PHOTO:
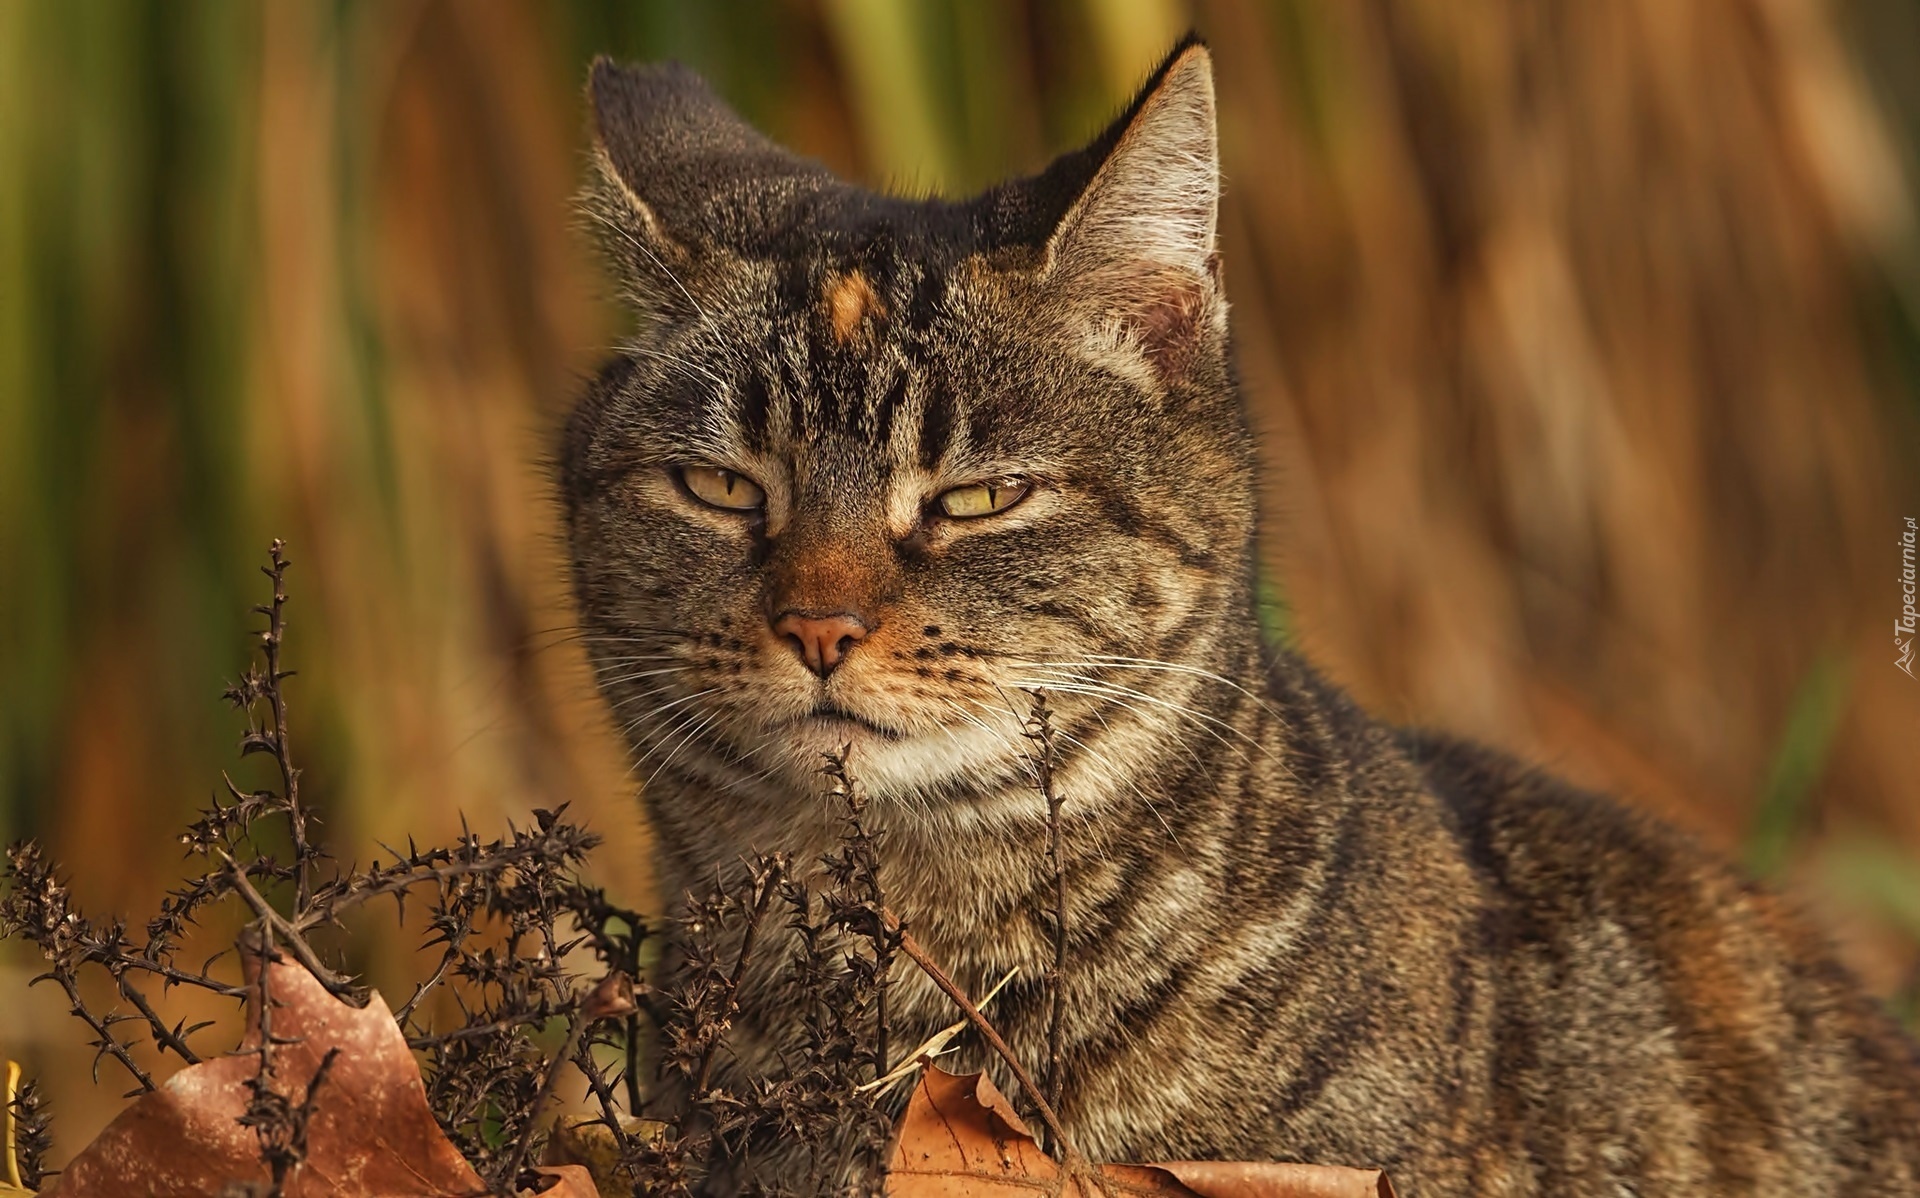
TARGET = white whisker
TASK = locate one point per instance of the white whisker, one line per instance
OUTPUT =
(626, 678)
(1069, 682)
(685, 740)
(626, 235)
(1112, 661)
(678, 362)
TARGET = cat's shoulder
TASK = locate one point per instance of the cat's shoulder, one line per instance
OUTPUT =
(1530, 835)
(1538, 835)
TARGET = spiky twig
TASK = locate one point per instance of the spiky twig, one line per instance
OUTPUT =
(278, 1122)
(280, 926)
(524, 882)
(724, 1004)
(991, 1035)
(508, 917)
(269, 689)
(24, 1154)
(1038, 728)
(858, 901)
(39, 907)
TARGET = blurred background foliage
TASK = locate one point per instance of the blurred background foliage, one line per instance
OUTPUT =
(1583, 335)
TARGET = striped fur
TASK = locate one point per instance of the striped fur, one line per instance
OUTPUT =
(1296, 932)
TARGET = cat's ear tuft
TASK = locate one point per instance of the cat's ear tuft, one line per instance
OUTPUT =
(647, 260)
(1137, 248)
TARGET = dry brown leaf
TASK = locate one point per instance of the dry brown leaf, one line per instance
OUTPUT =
(574, 1181)
(371, 1133)
(1241, 1179)
(585, 1141)
(960, 1138)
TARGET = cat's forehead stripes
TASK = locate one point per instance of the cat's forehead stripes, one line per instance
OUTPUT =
(848, 348)
(904, 414)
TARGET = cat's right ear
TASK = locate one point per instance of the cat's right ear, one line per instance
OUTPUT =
(649, 263)
(679, 181)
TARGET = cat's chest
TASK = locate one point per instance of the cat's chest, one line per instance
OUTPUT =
(984, 908)
(977, 894)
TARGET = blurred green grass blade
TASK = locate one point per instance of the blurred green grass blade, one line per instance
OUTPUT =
(1276, 616)
(1798, 762)
(20, 598)
(1883, 880)
(1881, 877)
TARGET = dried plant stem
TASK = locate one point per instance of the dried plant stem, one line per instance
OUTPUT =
(270, 640)
(394, 881)
(276, 924)
(180, 977)
(303, 1114)
(1056, 1133)
(1039, 730)
(104, 1041)
(769, 885)
(456, 944)
(164, 1036)
(278, 1122)
(264, 957)
(603, 1095)
(483, 1071)
(630, 1074)
(861, 898)
(28, 1140)
(510, 1168)
(479, 1031)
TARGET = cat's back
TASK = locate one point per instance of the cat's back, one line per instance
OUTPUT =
(1662, 1023)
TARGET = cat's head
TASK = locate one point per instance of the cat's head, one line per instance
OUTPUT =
(871, 466)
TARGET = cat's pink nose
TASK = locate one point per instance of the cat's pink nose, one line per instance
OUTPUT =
(821, 641)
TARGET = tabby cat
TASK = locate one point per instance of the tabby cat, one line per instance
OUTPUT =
(874, 466)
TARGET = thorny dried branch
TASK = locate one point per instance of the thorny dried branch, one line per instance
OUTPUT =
(1038, 728)
(857, 901)
(28, 1139)
(1056, 1133)
(519, 939)
(38, 907)
(276, 1119)
(523, 889)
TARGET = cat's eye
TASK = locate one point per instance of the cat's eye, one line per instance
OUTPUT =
(720, 488)
(982, 499)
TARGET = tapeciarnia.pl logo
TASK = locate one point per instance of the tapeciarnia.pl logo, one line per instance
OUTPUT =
(1903, 627)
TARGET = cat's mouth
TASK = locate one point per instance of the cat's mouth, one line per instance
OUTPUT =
(831, 716)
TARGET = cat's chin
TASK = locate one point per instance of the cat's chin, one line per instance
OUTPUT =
(838, 726)
(888, 761)
(807, 739)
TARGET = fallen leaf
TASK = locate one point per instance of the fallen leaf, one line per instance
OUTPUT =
(960, 1138)
(1241, 1179)
(10, 1179)
(371, 1132)
(574, 1181)
(588, 1143)
(611, 999)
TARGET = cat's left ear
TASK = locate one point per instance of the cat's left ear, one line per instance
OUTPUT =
(1135, 252)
